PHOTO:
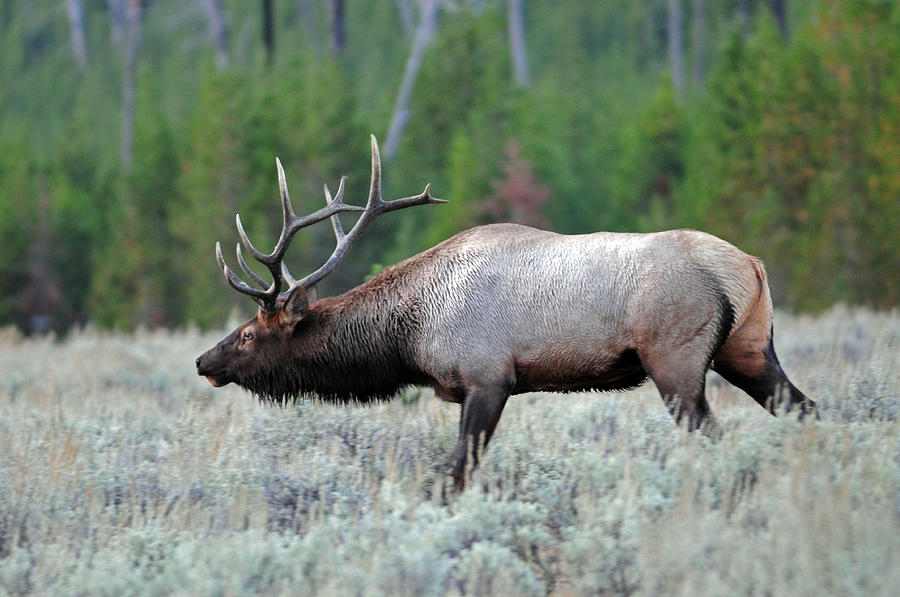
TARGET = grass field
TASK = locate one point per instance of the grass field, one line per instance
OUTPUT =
(122, 473)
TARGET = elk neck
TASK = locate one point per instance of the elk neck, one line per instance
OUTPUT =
(355, 346)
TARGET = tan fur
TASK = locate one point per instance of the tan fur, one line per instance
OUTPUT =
(504, 309)
(746, 346)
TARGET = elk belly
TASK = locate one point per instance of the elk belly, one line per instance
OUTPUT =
(580, 372)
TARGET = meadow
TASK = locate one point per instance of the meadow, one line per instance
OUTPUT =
(123, 473)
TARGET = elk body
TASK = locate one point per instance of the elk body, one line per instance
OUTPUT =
(504, 309)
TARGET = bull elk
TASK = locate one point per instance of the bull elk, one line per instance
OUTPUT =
(505, 309)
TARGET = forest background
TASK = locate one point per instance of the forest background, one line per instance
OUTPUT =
(132, 131)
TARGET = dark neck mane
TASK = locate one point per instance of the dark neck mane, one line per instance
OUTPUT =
(349, 347)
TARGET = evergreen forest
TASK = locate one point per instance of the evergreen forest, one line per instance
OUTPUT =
(132, 131)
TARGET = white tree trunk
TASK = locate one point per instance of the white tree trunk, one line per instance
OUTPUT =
(406, 16)
(743, 15)
(309, 23)
(779, 11)
(337, 27)
(424, 33)
(698, 43)
(131, 42)
(218, 29)
(517, 48)
(267, 14)
(675, 45)
(76, 28)
(116, 19)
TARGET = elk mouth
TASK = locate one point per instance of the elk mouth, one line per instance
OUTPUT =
(217, 378)
(217, 381)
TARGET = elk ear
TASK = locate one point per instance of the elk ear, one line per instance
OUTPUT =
(296, 304)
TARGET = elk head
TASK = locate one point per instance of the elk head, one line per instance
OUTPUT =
(254, 355)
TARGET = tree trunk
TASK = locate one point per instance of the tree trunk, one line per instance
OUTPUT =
(41, 305)
(517, 48)
(268, 29)
(337, 27)
(76, 28)
(312, 31)
(131, 12)
(698, 43)
(743, 10)
(779, 11)
(406, 16)
(675, 45)
(424, 33)
(116, 19)
(218, 28)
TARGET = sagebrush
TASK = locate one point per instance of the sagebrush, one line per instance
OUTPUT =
(123, 473)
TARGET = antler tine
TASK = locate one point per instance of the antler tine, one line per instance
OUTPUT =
(340, 192)
(256, 253)
(335, 225)
(287, 209)
(259, 296)
(422, 198)
(288, 278)
(335, 221)
(292, 223)
(375, 206)
(375, 181)
(287, 219)
(250, 273)
(274, 261)
(375, 190)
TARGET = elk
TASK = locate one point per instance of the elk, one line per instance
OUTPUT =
(504, 309)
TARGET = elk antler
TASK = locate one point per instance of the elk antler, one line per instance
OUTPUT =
(268, 294)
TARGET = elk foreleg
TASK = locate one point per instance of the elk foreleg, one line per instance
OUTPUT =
(480, 413)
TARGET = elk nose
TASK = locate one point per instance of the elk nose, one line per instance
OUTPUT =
(199, 361)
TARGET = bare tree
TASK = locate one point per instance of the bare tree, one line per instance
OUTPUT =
(421, 40)
(125, 20)
(306, 15)
(116, 19)
(218, 28)
(337, 27)
(675, 45)
(779, 11)
(268, 29)
(41, 305)
(406, 16)
(698, 43)
(76, 28)
(517, 48)
(129, 11)
(743, 15)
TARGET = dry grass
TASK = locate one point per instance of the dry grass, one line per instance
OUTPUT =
(124, 473)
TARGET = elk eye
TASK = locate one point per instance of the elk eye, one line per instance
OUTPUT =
(248, 335)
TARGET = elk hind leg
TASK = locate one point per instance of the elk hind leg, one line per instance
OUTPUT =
(748, 361)
(680, 377)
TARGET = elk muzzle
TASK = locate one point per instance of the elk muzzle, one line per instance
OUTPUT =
(207, 367)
